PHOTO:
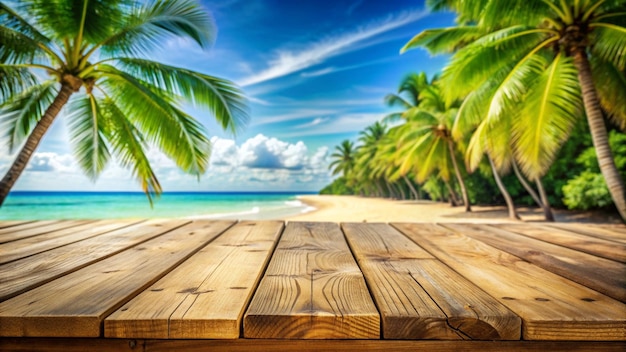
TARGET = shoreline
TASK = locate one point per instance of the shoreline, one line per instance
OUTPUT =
(359, 209)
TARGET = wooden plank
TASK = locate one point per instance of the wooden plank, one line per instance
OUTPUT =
(421, 298)
(603, 275)
(11, 251)
(313, 289)
(551, 307)
(206, 296)
(76, 304)
(36, 228)
(24, 274)
(243, 345)
(10, 223)
(606, 233)
(592, 245)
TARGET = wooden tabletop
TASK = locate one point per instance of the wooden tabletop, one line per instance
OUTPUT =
(102, 281)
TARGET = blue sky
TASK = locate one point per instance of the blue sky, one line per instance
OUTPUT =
(315, 73)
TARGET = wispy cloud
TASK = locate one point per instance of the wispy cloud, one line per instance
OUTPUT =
(329, 70)
(289, 61)
(296, 115)
(349, 123)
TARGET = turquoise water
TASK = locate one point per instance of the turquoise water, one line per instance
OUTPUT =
(112, 205)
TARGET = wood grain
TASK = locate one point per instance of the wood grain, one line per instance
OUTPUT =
(245, 345)
(206, 296)
(583, 243)
(10, 223)
(603, 275)
(313, 289)
(24, 274)
(76, 304)
(32, 245)
(606, 233)
(421, 298)
(36, 228)
(552, 307)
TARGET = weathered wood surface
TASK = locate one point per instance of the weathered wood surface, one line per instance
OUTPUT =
(607, 233)
(312, 289)
(205, 296)
(27, 230)
(540, 297)
(421, 298)
(76, 304)
(603, 275)
(25, 247)
(579, 242)
(5, 223)
(156, 284)
(21, 275)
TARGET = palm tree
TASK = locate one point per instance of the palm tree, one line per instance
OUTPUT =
(426, 140)
(89, 56)
(370, 138)
(343, 158)
(538, 63)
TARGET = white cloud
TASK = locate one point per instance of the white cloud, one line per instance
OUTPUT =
(348, 123)
(51, 162)
(286, 61)
(295, 115)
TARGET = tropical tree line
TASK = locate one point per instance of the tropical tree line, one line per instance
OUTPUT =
(523, 75)
(89, 58)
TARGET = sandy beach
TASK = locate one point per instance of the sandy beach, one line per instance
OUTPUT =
(358, 209)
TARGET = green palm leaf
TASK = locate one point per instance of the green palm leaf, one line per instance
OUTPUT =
(156, 20)
(177, 134)
(611, 86)
(128, 146)
(22, 111)
(13, 80)
(550, 109)
(222, 97)
(443, 40)
(610, 44)
(87, 131)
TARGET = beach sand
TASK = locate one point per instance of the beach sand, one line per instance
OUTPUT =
(358, 209)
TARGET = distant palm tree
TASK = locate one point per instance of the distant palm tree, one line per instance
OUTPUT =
(364, 167)
(426, 143)
(91, 54)
(343, 158)
(537, 62)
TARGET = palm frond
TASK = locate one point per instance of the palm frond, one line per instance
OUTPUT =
(92, 20)
(13, 20)
(610, 84)
(87, 133)
(176, 133)
(396, 100)
(13, 80)
(18, 48)
(128, 146)
(22, 111)
(549, 111)
(610, 44)
(443, 40)
(155, 21)
(221, 97)
(478, 62)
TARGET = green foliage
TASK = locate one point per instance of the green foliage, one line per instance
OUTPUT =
(588, 189)
(339, 187)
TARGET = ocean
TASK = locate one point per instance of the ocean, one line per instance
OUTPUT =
(123, 205)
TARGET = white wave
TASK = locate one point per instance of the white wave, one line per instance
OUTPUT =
(294, 203)
(254, 210)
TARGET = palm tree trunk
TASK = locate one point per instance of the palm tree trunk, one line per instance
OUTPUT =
(507, 197)
(402, 191)
(413, 190)
(33, 140)
(599, 134)
(527, 187)
(543, 202)
(390, 192)
(468, 207)
(453, 200)
(547, 212)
